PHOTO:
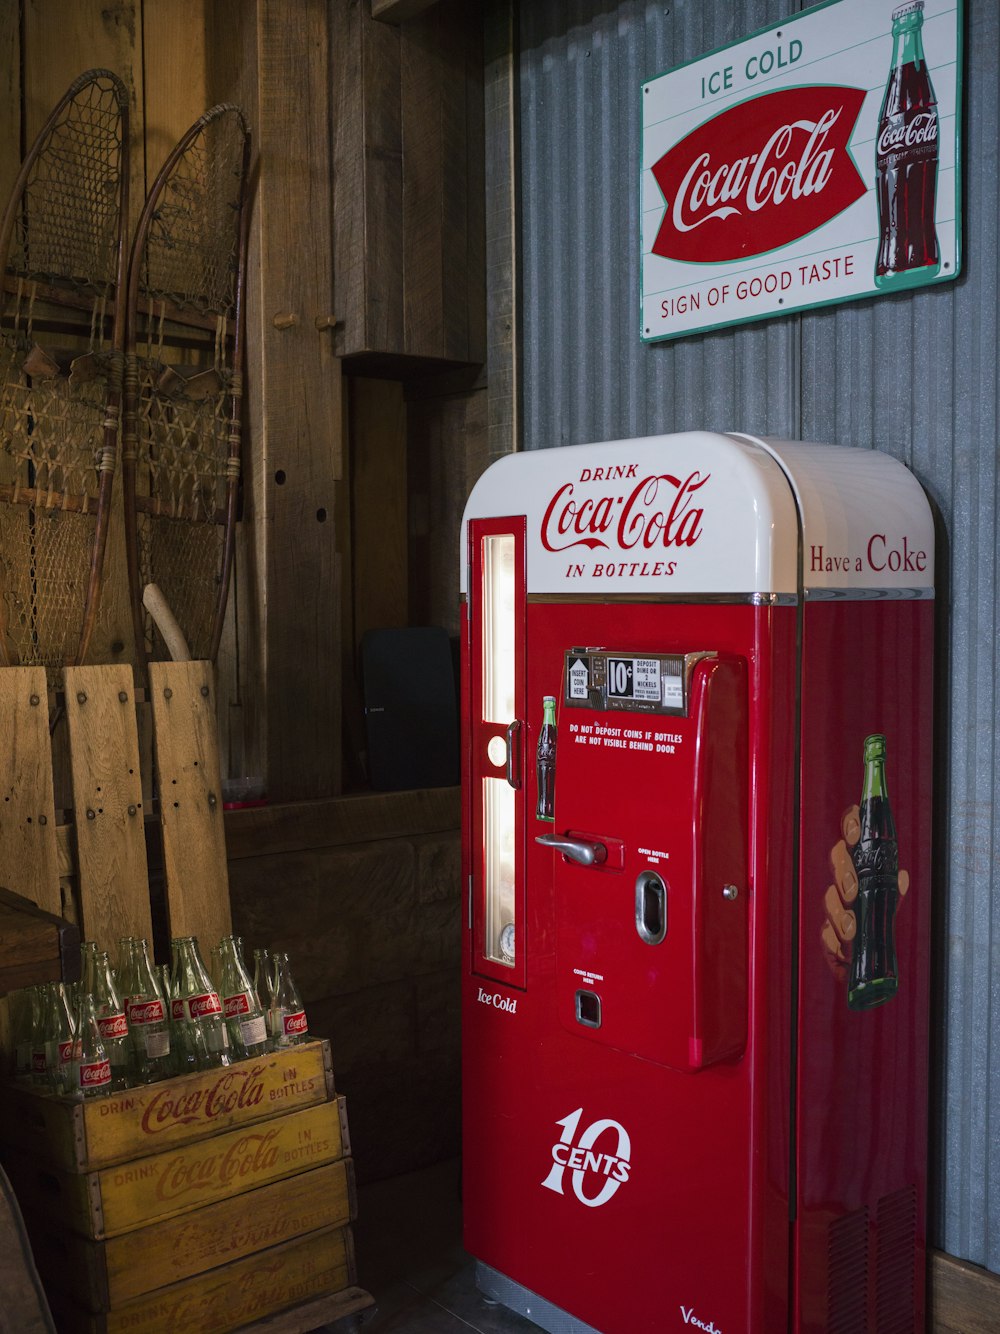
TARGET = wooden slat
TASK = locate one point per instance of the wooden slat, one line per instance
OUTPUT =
(398, 11)
(107, 804)
(152, 1118)
(28, 857)
(363, 818)
(379, 491)
(292, 630)
(115, 1200)
(319, 1263)
(190, 794)
(10, 98)
(444, 304)
(368, 182)
(35, 946)
(965, 1299)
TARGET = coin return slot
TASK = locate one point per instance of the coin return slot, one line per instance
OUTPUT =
(588, 1009)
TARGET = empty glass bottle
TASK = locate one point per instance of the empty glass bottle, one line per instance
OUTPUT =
(147, 1015)
(99, 981)
(245, 1016)
(198, 1024)
(60, 1033)
(91, 1066)
(287, 1015)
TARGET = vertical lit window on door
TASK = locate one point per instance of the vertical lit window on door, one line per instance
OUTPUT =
(499, 646)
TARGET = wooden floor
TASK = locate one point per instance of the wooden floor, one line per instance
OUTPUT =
(410, 1258)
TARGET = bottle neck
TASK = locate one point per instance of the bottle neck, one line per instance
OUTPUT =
(874, 785)
(908, 46)
(549, 715)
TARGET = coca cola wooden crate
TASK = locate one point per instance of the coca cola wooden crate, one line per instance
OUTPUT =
(133, 1194)
(105, 1275)
(98, 1132)
(236, 1295)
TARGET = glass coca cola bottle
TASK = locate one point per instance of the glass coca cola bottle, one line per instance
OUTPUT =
(244, 1013)
(263, 976)
(287, 1016)
(60, 1033)
(109, 1010)
(545, 761)
(906, 160)
(198, 1024)
(91, 1068)
(147, 1015)
(27, 1015)
(874, 977)
(39, 1033)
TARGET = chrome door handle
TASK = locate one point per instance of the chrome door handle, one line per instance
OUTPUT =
(576, 849)
(513, 737)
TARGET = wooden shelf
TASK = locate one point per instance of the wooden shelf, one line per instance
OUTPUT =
(35, 946)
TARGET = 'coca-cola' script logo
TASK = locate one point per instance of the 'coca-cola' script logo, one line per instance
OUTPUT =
(97, 1073)
(113, 1026)
(759, 175)
(145, 1012)
(903, 132)
(240, 1087)
(661, 511)
(295, 1024)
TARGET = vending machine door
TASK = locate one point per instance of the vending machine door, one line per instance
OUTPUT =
(496, 760)
(650, 842)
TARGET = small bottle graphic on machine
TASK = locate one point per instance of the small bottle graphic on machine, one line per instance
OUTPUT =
(874, 977)
(545, 763)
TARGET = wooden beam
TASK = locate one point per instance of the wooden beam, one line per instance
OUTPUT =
(35, 946)
(290, 636)
(398, 11)
(964, 1298)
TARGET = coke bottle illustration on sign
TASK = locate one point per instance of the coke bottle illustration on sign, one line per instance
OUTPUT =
(874, 976)
(906, 160)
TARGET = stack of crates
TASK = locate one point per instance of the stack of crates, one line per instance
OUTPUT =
(202, 1202)
(208, 1201)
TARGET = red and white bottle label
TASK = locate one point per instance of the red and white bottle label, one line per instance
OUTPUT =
(113, 1026)
(196, 1007)
(294, 1025)
(237, 1005)
(145, 1011)
(94, 1074)
(65, 1051)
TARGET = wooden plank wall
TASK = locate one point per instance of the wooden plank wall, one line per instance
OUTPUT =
(278, 683)
(409, 217)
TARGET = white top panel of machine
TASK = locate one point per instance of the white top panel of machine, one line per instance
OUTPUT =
(705, 513)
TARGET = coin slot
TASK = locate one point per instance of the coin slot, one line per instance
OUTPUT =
(588, 1009)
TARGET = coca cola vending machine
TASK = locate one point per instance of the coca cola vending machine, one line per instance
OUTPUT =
(696, 697)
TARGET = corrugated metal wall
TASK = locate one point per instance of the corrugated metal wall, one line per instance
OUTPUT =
(914, 374)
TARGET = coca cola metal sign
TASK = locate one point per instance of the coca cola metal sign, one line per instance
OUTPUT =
(815, 162)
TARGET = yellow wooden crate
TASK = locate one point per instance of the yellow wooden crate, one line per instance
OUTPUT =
(129, 1195)
(104, 1275)
(223, 1299)
(97, 1132)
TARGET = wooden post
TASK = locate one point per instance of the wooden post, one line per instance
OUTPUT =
(289, 633)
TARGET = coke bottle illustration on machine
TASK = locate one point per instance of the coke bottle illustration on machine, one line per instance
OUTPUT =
(874, 976)
(906, 160)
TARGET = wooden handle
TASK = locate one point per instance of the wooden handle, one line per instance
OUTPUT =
(173, 636)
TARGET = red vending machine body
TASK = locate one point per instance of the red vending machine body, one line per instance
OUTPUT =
(657, 967)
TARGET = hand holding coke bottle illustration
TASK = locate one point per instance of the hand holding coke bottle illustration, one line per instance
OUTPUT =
(858, 933)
